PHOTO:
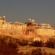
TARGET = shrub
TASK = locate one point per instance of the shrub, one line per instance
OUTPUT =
(37, 43)
(36, 52)
(7, 49)
(23, 42)
(45, 53)
(50, 43)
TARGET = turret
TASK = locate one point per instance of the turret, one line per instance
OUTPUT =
(2, 19)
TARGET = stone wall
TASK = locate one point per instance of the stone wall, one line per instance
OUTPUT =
(46, 32)
(42, 29)
(10, 25)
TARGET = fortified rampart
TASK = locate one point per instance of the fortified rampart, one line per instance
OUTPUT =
(4, 25)
(30, 28)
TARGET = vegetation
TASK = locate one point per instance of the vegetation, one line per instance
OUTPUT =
(37, 43)
(50, 43)
(10, 46)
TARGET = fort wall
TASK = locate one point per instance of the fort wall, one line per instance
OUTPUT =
(30, 26)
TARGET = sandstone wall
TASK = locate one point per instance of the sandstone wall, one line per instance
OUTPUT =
(46, 32)
(43, 29)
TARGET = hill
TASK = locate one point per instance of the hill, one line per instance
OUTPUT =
(29, 38)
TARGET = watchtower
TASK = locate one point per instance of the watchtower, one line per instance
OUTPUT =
(2, 20)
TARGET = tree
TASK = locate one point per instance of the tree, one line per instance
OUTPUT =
(50, 43)
(23, 42)
(37, 43)
(36, 52)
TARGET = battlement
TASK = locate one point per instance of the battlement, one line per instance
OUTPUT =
(30, 22)
(19, 25)
(2, 19)
(28, 27)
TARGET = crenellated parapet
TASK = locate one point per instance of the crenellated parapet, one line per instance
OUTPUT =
(29, 26)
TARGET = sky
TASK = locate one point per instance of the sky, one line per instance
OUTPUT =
(42, 11)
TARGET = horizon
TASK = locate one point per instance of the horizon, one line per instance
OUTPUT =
(24, 21)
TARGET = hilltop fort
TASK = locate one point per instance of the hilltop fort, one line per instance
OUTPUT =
(28, 29)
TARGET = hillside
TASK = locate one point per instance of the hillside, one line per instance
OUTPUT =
(14, 46)
(29, 30)
(17, 38)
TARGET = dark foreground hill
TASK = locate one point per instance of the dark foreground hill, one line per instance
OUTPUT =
(13, 46)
